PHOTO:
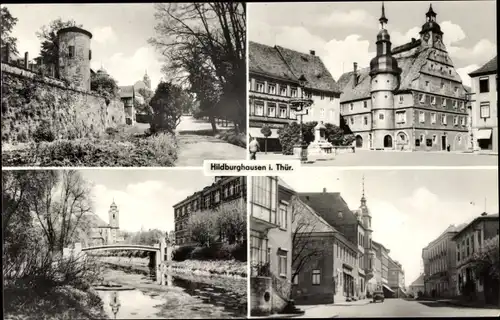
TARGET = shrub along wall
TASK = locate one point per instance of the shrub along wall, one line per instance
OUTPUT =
(32, 103)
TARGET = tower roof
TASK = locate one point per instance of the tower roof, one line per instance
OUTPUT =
(74, 29)
(383, 20)
(431, 24)
(431, 12)
(113, 204)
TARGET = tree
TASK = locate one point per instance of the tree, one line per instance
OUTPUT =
(231, 221)
(289, 135)
(49, 51)
(8, 23)
(305, 247)
(337, 136)
(202, 227)
(266, 131)
(216, 32)
(167, 103)
(104, 85)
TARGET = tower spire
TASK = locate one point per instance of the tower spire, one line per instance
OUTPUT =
(363, 199)
(383, 20)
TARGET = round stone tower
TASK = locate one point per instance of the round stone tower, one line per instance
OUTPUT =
(384, 73)
(74, 56)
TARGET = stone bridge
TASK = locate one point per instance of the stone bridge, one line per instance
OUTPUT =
(161, 252)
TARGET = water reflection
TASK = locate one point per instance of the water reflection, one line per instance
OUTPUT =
(114, 303)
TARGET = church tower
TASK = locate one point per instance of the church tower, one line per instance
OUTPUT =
(114, 222)
(147, 80)
(431, 34)
(384, 73)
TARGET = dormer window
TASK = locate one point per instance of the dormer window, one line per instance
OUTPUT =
(340, 214)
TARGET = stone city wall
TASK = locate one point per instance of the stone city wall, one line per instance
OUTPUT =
(30, 100)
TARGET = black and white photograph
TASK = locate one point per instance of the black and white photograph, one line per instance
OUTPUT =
(380, 243)
(123, 244)
(123, 85)
(374, 83)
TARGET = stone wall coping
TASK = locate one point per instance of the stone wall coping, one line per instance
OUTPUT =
(24, 73)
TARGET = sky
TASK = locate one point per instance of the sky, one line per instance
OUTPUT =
(343, 33)
(120, 33)
(144, 198)
(409, 208)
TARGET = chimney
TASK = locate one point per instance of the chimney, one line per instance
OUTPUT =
(26, 60)
(324, 190)
(312, 52)
(413, 40)
(355, 74)
(484, 214)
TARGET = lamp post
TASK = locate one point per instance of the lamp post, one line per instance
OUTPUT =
(301, 105)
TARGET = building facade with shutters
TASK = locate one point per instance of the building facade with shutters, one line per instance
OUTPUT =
(411, 98)
(484, 106)
(274, 74)
(223, 190)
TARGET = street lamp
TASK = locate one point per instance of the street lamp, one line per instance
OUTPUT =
(301, 105)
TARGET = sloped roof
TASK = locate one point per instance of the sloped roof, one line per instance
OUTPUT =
(311, 67)
(465, 226)
(267, 60)
(282, 182)
(315, 222)
(488, 67)
(327, 205)
(126, 91)
(418, 282)
(94, 221)
(410, 69)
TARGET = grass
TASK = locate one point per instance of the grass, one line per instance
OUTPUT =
(230, 136)
(60, 302)
(119, 148)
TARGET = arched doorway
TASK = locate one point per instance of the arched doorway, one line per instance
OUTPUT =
(402, 141)
(388, 141)
(359, 142)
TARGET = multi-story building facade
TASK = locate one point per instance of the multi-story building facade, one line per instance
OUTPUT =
(382, 254)
(396, 278)
(439, 258)
(223, 190)
(471, 239)
(410, 98)
(274, 74)
(484, 117)
(270, 244)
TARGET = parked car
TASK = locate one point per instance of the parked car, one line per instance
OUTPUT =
(378, 296)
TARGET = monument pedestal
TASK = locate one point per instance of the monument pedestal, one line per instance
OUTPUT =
(300, 152)
(320, 148)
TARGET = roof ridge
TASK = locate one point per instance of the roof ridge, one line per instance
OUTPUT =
(284, 60)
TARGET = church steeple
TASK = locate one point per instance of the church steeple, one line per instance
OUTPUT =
(363, 199)
(383, 20)
(383, 61)
(431, 15)
(146, 79)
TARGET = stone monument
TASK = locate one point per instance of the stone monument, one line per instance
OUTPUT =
(320, 148)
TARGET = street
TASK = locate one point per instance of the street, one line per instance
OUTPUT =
(395, 158)
(397, 308)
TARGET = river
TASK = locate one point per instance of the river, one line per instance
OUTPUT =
(181, 296)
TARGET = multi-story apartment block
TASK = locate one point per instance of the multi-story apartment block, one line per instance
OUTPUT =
(275, 75)
(484, 121)
(223, 190)
(270, 244)
(471, 239)
(410, 98)
(396, 278)
(439, 258)
(382, 254)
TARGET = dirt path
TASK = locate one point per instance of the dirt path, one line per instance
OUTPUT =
(193, 149)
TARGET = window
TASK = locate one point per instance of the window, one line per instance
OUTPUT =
(433, 118)
(365, 120)
(352, 106)
(455, 120)
(443, 119)
(422, 138)
(259, 86)
(258, 249)
(427, 84)
(264, 198)
(207, 202)
(442, 84)
(455, 89)
(271, 110)
(322, 112)
(444, 102)
(365, 104)
(352, 120)
(428, 142)
(484, 110)
(433, 100)
(422, 98)
(90, 54)
(434, 139)
(282, 216)
(322, 96)
(283, 90)
(292, 114)
(282, 263)
(421, 116)
(462, 121)
(316, 277)
(293, 92)
(401, 117)
(484, 85)
(259, 108)
(71, 51)
(401, 99)
(381, 116)
(271, 88)
(217, 196)
(455, 104)
(282, 111)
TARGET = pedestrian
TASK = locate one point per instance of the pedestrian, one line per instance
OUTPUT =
(448, 148)
(253, 147)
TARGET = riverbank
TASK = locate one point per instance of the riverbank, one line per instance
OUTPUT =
(60, 302)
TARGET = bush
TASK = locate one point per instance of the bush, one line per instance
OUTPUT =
(239, 251)
(182, 253)
(44, 132)
(230, 136)
(203, 253)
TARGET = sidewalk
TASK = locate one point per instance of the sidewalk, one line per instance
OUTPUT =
(319, 311)
(468, 304)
